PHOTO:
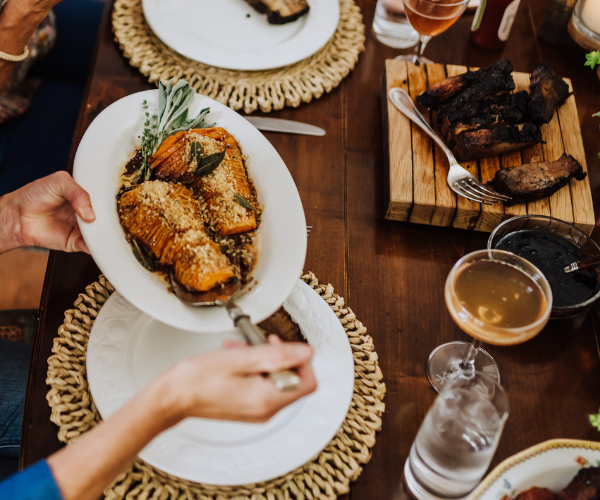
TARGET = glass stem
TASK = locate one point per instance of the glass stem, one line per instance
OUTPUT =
(468, 364)
(423, 40)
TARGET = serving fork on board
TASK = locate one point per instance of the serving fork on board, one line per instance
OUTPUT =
(223, 296)
(459, 179)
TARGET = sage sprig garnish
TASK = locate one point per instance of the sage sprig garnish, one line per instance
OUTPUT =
(209, 163)
(244, 202)
(196, 151)
(142, 255)
(173, 108)
(172, 117)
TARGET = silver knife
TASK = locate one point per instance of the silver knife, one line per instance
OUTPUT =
(281, 125)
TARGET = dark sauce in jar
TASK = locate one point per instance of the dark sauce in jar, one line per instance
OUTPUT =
(551, 253)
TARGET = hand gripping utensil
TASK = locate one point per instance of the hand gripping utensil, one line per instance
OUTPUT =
(459, 179)
(223, 296)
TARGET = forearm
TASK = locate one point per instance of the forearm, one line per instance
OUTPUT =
(10, 228)
(111, 446)
(18, 21)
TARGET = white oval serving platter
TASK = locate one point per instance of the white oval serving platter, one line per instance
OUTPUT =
(106, 146)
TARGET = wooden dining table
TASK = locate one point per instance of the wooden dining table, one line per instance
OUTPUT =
(390, 273)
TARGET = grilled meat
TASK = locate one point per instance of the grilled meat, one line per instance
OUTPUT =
(536, 493)
(493, 80)
(488, 113)
(548, 92)
(537, 180)
(584, 486)
(484, 142)
(282, 325)
(280, 11)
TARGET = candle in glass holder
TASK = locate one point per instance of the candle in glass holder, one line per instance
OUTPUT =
(590, 15)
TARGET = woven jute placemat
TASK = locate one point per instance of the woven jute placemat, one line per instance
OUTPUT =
(325, 477)
(248, 90)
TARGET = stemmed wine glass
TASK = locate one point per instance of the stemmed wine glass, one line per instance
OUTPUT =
(430, 18)
(496, 297)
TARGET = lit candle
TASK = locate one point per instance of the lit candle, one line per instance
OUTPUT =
(590, 15)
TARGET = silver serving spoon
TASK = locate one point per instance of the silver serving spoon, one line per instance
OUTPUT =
(223, 296)
(583, 264)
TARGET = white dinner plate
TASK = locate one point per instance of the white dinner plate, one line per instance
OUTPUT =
(106, 146)
(128, 348)
(231, 34)
(551, 464)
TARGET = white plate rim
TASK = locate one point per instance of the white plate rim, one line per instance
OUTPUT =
(320, 24)
(282, 237)
(497, 474)
(320, 416)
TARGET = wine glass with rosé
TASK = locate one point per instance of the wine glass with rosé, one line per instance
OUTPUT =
(430, 18)
(496, 297)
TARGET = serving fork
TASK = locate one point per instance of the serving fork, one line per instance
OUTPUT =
(459, 179)
(223, 296)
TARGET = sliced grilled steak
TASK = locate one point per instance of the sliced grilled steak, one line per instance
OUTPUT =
(484, 142)
(536, 493)
(280, 11)
(534, 181)
(488, 113)
(487, 81)
(282, 324)
(548, 92)
(584, 486)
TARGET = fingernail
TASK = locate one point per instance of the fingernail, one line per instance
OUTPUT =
(88, 214)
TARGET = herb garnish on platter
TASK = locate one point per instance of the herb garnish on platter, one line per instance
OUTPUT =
(172, 117)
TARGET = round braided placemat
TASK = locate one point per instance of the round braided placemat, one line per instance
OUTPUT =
(325, 477)
(248, 90)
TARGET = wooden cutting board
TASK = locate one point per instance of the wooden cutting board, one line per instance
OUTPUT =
(417, 171)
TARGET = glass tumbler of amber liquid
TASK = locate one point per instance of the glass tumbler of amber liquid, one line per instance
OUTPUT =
(496, 297)
(430, 18)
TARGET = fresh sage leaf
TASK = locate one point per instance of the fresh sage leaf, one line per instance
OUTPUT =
(196, 151)
(244, 202)
(141, 254)
(209, 163)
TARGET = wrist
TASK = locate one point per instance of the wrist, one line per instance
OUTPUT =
(10, 224)
(18, 22)
(164, 399)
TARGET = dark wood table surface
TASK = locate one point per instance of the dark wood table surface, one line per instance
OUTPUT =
(391, 274)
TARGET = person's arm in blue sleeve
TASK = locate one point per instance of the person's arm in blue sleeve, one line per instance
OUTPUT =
(226, 384)
(34, 483)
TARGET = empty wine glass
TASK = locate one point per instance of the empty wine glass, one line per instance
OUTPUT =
(430, 18)
(496, 297)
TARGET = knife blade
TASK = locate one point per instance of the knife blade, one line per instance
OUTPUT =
(285, 126)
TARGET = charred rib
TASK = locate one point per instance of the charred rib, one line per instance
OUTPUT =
(488, 142)
(534, 181)
(548, 92)
(280, 11)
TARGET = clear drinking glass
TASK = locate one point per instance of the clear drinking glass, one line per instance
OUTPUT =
(391, 26)
(430, 18)
(496, 297)
(457, 439)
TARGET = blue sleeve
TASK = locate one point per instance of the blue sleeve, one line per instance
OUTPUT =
(34, 483)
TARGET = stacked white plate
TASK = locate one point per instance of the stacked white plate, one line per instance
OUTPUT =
(231, 34)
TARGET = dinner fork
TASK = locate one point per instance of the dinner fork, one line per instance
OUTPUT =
(459, 179)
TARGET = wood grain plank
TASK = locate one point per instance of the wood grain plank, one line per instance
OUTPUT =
(445, 198)
(399, 141)
(552, 144)
(422, 154)
(491, 215)
(467, 211)
(581, 195)
(514, 158)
